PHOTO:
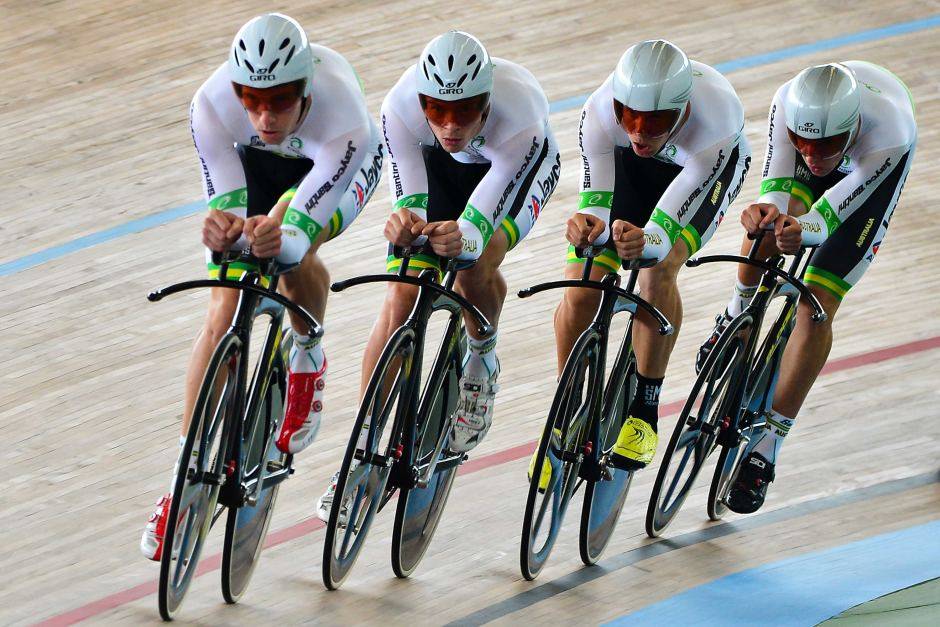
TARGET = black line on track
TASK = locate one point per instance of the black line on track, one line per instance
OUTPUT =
(572, 580)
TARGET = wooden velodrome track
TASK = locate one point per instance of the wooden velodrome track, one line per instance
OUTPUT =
(95, 136)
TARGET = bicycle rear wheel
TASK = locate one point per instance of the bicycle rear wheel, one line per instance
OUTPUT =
(419, 509)
(361, 485)
(763, 379)
(202, 466)
(562, 446)
(604, 499)
(247, 526)
(727, 468)
(697, 428)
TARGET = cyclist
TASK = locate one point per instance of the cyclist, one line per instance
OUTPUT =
(289, 156)
(841, 139)
(473, 162)
(662, 146)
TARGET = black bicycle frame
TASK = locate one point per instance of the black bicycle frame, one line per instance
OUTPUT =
(250, 303)
(773, 281)
(432, 296)
(613, 300)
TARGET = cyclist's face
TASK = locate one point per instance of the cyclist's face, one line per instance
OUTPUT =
(454, 123)
(647, 130)
(273, 111)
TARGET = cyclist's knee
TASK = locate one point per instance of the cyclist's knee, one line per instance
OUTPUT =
(579, 301)
(222, 306)
(399, 300)
(661, 277)
(830, 304)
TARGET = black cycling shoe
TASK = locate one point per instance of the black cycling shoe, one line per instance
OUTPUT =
(749, 490)
(721, 322)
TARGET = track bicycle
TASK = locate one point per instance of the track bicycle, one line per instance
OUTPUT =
(733, 392)
(229, 461)
(399, 441)
(583, 425)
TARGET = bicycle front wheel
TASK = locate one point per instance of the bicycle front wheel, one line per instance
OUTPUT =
(202, 466)
(562, 448)
(697, 428)
(361, 484)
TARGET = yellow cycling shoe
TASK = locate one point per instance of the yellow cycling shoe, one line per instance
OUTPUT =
(636, 445)
(546, 475)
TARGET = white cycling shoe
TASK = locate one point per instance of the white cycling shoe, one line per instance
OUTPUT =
(325, 502)
(474, 413)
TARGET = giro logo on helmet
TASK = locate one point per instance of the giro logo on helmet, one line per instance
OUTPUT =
(808, 128)
(454, 90)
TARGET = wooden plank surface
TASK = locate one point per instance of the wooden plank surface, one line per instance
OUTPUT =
(90, 392)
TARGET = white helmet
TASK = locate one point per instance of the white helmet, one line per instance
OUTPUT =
(454, 66)
(271, 50)
(823, 101)
(653, 75)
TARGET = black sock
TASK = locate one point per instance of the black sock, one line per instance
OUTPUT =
(645, 405)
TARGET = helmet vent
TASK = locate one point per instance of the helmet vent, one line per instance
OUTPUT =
(284, 43)
(476, 71)
(424, 66)
(431, 61)
(438, 79)
(290, 55)
(241, 44)
(450, 63)
(261, 48)
(273, 65)
(235, 54)
(249, 66)
(472, 58)
(462, 79)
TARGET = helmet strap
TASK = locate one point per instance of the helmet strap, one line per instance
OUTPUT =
(680, 122)
(304, 110)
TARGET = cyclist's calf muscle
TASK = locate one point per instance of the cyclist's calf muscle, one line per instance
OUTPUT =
(806, 353)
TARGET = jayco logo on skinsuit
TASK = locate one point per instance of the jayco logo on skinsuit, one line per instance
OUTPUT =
(296, 143)
(547, 186)
(478, 141)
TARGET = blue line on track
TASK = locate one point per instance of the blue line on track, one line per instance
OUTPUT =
(566, 104)
(807, 589)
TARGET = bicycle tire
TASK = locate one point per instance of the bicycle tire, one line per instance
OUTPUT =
(580, 374)
(764, 369)
(370, 480)
(720, 369)
(187, 492)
